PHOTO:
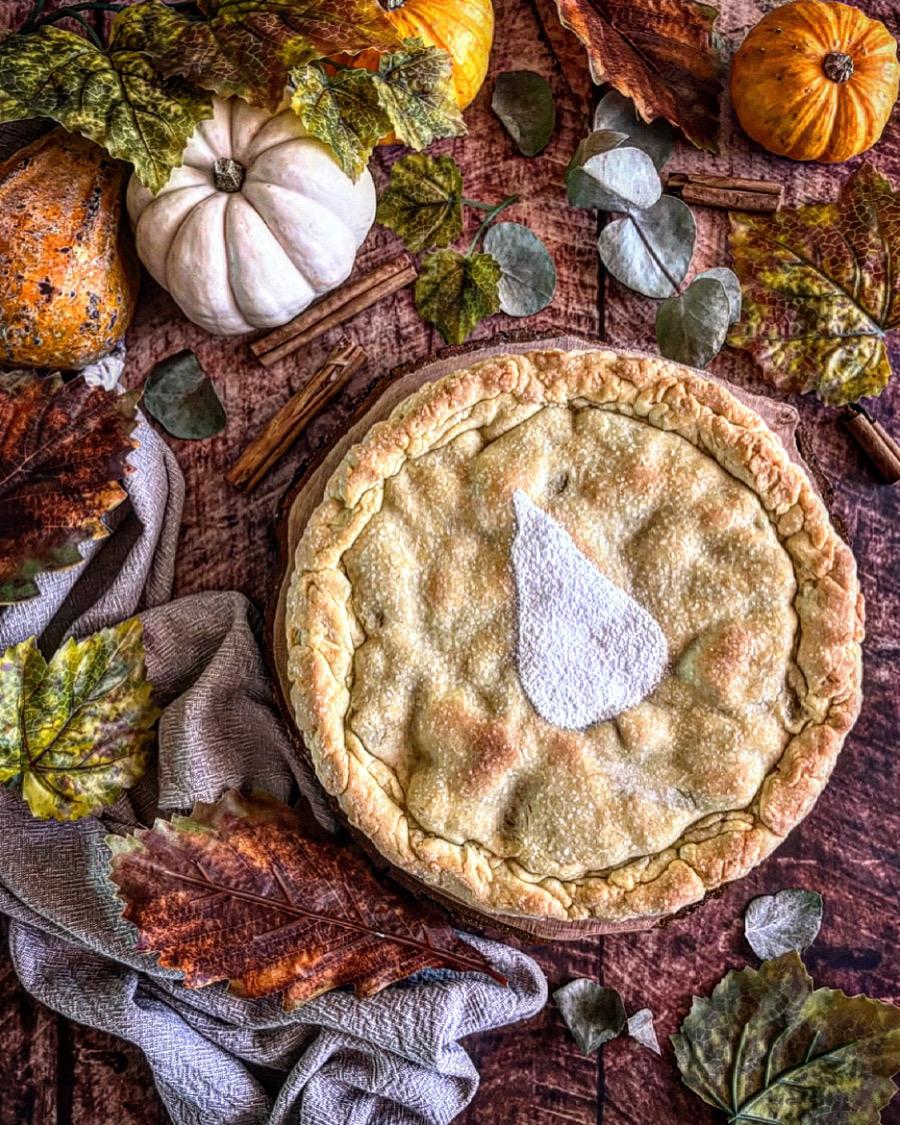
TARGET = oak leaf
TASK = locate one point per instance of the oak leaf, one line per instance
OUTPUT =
(767, 1047)
(63, 449)
(659, 53)
(115, 96)
(77, 731)
(822, 290)
(238, 892)
(248, 47)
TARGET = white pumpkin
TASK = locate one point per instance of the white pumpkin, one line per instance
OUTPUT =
(257, 222)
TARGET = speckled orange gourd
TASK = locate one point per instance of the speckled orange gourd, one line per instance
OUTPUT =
(68, 280)
(816, 81)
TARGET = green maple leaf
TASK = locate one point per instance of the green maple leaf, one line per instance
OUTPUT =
(767, 1047)
(415, 92)
(115, 97)
(341, 109)
(822, 290)
(76, 731)
(455, 292)
(352, 109)
(423, 201)
(248, 47)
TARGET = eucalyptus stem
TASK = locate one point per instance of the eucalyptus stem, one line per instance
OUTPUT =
(489, 218)
(73, 14)
(36, 10)
(478, 206)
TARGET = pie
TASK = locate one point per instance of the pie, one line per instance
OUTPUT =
(405, 640)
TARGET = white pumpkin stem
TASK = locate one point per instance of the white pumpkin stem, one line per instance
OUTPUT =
(228, 175)
(838, 66)
(392, 5)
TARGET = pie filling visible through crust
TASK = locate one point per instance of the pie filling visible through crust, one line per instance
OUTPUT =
(402, 633)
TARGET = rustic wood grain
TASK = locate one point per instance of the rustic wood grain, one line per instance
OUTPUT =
(55, 1073)
(847, 848)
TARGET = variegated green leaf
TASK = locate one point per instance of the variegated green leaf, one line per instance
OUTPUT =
(821, 290)
(457, 291)
(766, 1047)
(115, 97)
(423, 201)
(341, 109)
(415, 92)
(76, 731)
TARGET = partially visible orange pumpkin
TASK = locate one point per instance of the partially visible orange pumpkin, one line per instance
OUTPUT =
(68, 275)
(816, 80)
(464, 28)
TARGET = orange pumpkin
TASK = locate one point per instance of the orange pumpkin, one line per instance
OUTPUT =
(815, 80)
(464, 28)
(68, 275)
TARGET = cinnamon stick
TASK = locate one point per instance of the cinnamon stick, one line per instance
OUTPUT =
(881, 449)
(286, 425)
(337, 308)
(732, 193)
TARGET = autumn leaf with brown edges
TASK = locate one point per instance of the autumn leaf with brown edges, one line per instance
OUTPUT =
(248, 47)
(659, 53)
(821, 287)
(63, 450)
(238, 891)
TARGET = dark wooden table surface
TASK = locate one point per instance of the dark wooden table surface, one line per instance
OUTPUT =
(55, 1073)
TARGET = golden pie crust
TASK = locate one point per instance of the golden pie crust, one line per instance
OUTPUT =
(401, 630)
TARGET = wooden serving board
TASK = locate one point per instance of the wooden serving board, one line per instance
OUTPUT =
(306, 492)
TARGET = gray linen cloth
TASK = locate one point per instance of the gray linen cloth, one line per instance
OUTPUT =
(393, 1059)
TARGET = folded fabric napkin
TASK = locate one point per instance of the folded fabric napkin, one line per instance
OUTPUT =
(393, 1059)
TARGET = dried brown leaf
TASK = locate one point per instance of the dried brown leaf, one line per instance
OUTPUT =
(238, 892)
(659, 53)
(63, 448)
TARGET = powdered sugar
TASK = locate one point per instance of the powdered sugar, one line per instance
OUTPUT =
(586, 650)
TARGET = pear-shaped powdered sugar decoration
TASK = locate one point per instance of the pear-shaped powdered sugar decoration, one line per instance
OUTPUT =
(586, 650)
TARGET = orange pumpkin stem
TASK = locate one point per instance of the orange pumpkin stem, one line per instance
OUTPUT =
(837, 66)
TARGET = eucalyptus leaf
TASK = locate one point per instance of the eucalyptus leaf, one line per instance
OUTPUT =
(691, 327)
(640, 1027)
(603, 140)
(617, 112)
(592, 1013)
(181, 397)
(615, 179)
(776, 924)
(524, 103)
(528, 277)
(649, 250)
(732, 284)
